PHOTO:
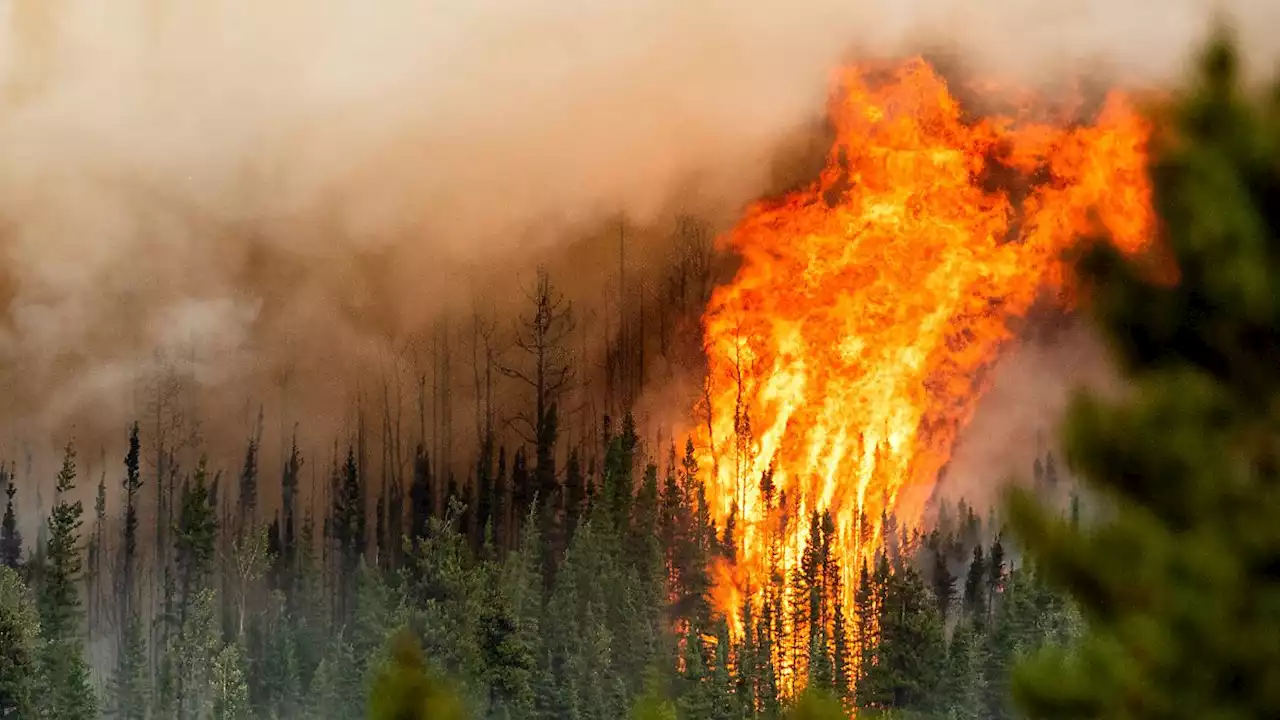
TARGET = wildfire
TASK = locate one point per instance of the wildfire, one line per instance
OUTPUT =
(846, 354)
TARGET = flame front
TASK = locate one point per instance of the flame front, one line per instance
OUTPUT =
(846, 354)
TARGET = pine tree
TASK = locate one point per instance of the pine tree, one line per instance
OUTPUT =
(619, 464)
(422, 494)
(944, 582)
(517, 672)
(575, 486)
(965, 680)
(348, 519)
(66, 693)
(697, 698)
(130, 685)
(337, 688)
(841, 658)
(995, 574)
(644, 634)
(1178, 580)
(93, 553)
(10, 536)
(289, 478)
(248, 497)
(907, 662)
(691, 555)
(975, 593)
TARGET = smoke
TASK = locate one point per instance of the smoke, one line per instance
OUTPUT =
(1019, 419)
(295, 187)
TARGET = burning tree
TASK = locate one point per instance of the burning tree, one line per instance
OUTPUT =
(848, 351)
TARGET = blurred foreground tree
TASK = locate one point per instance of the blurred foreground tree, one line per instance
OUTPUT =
(1181, 583)
(405, 690)
(20, 639)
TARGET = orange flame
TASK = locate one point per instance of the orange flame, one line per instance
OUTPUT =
(847, 352)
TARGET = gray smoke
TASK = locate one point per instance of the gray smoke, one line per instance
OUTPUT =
(295, 188)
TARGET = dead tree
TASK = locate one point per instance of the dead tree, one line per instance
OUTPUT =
(543, 339)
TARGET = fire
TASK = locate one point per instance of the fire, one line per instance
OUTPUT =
(847, 352)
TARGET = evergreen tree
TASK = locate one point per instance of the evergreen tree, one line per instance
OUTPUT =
(841, 658)
(20, 638)
(337, 688)
(93, 553)
(10, 536)
(697, 692)
(130, 686)
(944, 582)
(995, 574)
(66, 693)
(691, 532)
(975, 594)
(965, 679)
(1178, 581)
(348, 522)
(248, 497)
(512, 633)
(907, 662)
(191, 656)
(575, 485)
(289, 478)
(619, 464)
(422, 494)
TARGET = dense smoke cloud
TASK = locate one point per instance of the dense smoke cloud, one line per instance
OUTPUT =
(257, 185)
(1019, 418)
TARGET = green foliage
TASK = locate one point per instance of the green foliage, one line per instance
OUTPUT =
(20, 638)
(10, 536)
(816, 705)
(130, 696)
(1178, 583)
(66, 693)
(405, 690)
(230, 688)
(653, 703)
(337, 688)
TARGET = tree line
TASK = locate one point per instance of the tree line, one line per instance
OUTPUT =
(565, 599)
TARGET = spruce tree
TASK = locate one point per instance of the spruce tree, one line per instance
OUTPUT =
(518, 672)
(10, 536)
(1178, 581)
(422, 494)
(65, 693)
(130, 696)
(975, 595)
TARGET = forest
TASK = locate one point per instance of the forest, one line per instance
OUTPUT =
(378, 581)
(565, 608)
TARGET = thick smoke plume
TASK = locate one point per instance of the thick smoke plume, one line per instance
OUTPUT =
(293, 188)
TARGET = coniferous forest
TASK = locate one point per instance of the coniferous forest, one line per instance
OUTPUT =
(523, 607)
(568, 575)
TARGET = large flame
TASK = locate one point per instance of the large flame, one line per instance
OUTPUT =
(847, 352)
